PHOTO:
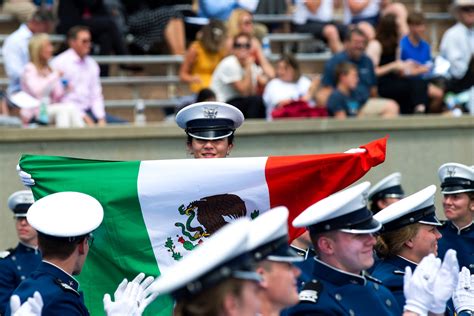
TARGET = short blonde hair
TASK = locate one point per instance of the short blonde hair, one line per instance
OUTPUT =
(35, 46)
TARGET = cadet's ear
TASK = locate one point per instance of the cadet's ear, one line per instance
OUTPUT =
(325, 245)
(409, 243)
(230, 304)
(82, 246)
(263, 273)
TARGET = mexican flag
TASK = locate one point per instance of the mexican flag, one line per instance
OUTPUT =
(157, 211)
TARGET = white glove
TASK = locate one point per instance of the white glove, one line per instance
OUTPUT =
(418, 287)
(25, 177)
(445, 282)
(463, 296)
(130, 297)
(355, 151)
(32, 307)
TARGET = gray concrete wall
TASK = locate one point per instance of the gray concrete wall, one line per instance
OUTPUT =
(417, 147)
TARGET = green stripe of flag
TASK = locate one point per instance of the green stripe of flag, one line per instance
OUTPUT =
(110, 259)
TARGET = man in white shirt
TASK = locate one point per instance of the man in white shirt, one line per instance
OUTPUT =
(15, 47)
(236, 78)
(457, 46)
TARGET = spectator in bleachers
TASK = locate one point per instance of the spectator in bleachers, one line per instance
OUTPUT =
(93, 14)
(241, 21)
(22, 10)
(366, 14)
(341, 104)
(366, 91)
(203, 56)
(398, 79)
(290, 94)
(83, 77)
(43, 83)
(236, 78)
(317, 17)
(457, 46)
(414, 48)
(15, 47)
(152, 23)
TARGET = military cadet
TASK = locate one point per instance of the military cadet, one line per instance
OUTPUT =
(457, 185)
(64, 222)
(409, 234)
(216, 278)
(341, 228)
(385, 192)
(210, 127)
(16, 264)
(268, 243)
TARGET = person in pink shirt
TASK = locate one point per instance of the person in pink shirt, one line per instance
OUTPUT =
(83, 77)
(43, 83)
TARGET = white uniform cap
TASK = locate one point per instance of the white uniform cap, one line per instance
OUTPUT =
(345, 210)
(462, 3)
(268, 238)
(66, 214)
(220, 257)
(456, 178)
(388, 187)
(209, 120)
(20, 201)
(416, 208)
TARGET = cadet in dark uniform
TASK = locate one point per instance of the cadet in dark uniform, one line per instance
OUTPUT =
(268, 242)
(409, 234)
(385, 192)
(210, 127)
(64, 222)
(215, 279)
(341, 229)
(457, 185)
(16, 264)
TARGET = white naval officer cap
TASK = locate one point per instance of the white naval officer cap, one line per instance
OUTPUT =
(66, 214)
(388, 187)
(268, 237)
(20, 201)
(224, 255)
(209, 120)
(345, 211)
(456, 178)
(416, 208)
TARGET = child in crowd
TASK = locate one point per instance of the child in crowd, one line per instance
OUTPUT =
(340, 103)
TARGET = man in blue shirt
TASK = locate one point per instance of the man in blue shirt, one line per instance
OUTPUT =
(365, 93)
(413, 46)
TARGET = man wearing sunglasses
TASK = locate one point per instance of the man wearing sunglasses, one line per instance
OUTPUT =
(236, 78)
(457, 46)
(64, 222)
(17, 264)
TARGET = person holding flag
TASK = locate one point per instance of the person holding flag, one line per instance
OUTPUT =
(210, 127)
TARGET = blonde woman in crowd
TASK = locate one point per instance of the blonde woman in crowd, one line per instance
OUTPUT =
(241, 21)
(44, 84)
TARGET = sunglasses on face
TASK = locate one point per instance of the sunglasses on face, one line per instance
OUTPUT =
(242, 45)
(90, 239)
(467, 9)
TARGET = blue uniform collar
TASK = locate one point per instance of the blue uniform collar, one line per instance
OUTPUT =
(461, 230)
(59, 274)
(335, 276)
(26, 248)
(401, 263)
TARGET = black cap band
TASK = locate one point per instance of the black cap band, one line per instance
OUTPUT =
(392, 192)
(453, 184)
(353, 220)
(426, 215)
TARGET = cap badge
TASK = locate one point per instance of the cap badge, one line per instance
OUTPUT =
(451, 171)
(210, 112)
